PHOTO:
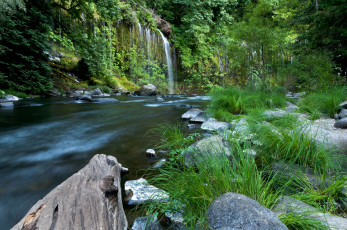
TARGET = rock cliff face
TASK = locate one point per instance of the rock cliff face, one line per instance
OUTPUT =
(89, 199)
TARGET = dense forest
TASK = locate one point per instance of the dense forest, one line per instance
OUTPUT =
(62, 44)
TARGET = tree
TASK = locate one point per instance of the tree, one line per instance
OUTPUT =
(24, 47)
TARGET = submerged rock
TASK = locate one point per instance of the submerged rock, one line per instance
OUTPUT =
(146, 223)
(191, 113)
(287, 204)
(106, 100)
(6, 105)
(213, 125)
(159, 99)
(233, 211)
(141, 191)
(85, 98)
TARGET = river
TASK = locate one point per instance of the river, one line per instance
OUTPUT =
(44, 141)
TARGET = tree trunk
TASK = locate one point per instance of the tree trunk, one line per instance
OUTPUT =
(89, 199)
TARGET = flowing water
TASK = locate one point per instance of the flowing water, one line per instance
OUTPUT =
(44, 141)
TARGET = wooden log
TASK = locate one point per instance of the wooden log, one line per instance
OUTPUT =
(89, 199)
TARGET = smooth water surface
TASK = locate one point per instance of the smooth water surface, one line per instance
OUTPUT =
(44, 141)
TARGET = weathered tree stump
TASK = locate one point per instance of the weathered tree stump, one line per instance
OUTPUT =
(89, 199)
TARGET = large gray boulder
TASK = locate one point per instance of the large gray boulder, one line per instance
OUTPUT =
(139, 191)
(275, 113)
(89, 199)
(342, 123)
(147, 90)
(324, 132)
(287, 204)
(96, 92)
(210, 146)
(191, 113)
(291, 107)
(233, 211)
(213, 125)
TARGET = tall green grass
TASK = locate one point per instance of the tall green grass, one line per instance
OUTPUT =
(196, 187)
(301, 221)
(323, 103)
(232, 101)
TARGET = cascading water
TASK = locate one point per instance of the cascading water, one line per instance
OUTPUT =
(167, 48)
(154, 47)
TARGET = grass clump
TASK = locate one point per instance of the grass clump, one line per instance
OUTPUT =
(172, 136)
(323, 103)
(196, 187)
(295, 221)
(232, 101)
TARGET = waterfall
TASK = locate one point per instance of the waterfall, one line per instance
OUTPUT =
(167, 49)
(150, 45)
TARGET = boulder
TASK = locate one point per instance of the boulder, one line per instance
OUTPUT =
(54, 93)
(6, 105)
(191, 113)
(275, 113)
(140, 191)
(147, 90)
(343, 105)
(106, 100)
(89, 199)
(200, 118)
(343, 113)
(213, 125)
(324, 132)
(287, 204)
(145, 223)
(342, 123)
(209, 146)
(96, 92)
(10, 97)
(84, 98)
(291, 107)
(233, 211)
(160, 99)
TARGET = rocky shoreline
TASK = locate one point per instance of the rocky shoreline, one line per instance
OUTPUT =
(98, 183)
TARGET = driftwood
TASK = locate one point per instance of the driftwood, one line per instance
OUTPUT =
(89, 199)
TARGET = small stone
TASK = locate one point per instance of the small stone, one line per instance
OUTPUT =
(250, 152)
(336, 116)
(160, 99)
(159, 164)
(85, 98)
(150, 153)
(200, 118)
(191, 126)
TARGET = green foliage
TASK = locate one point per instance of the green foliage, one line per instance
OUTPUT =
(323, 102)
(229, 101)
(301, 221)
(211, 178)
(171, 136)
(23, 43)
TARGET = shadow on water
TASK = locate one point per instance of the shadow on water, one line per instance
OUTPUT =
(44, 141)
